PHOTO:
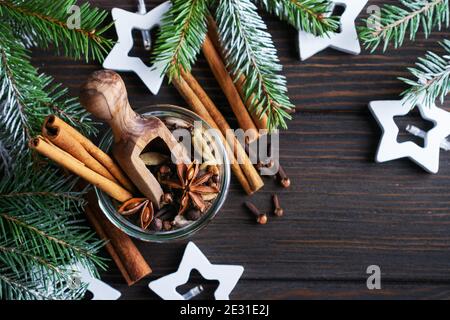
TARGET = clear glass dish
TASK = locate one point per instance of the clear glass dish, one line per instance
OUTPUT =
(109, 208)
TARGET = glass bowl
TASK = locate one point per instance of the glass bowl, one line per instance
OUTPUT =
(109, 206)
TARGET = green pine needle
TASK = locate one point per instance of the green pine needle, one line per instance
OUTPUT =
(181, 36)
(249, 50)
(307, 15)
(41, 229)
(29, 96)
(396, 23)
(432, 77)
(45, 23)
(40, 234)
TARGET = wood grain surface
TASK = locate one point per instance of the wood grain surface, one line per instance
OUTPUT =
(343, 212)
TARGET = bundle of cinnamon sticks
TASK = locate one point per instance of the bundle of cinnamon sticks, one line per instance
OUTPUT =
(71, 150)
(67, 147)
(200, 103)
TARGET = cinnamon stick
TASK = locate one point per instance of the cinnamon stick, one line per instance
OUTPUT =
(61, 138)
(52, 122)
(226, 83)
(70, 163)
(198, 107)
(213, 34)
(123, 251)
(259, 120)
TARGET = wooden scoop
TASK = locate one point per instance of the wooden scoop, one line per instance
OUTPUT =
(105, 96)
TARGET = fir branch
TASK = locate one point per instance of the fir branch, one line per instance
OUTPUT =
(66, 195)
(40, 223)
(14, 288)
(28, 97)
(307, 15)
(39, 233)
(51, 240)
(432, 77)
(29, 201)
(12, 54)
(45, 22)
(396, 22)
(181, 36)
(5, 158)
(249, 50)
(20, 261)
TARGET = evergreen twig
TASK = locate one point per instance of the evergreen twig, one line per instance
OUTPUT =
(249, 50)
(395, 23)
(39, 233)
(307, 15)
(45, 22)
(40, 230)
(181, 36)
(27, 96)
(432, 77)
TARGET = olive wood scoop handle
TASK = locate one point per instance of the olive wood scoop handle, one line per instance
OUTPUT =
(105, 96)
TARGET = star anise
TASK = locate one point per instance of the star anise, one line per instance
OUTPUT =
(192, 186)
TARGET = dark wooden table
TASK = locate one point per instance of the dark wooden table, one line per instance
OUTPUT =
(344, 212)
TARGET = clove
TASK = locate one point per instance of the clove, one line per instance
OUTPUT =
(276, 202)
(283, 178)
(261, 218)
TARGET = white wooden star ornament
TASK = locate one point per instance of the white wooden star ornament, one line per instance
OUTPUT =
(193, 258)
(390, 149)
(119, 60)
(346, 40)
(99, 289)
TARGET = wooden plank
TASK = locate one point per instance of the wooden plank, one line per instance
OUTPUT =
(305, 290)
(343, 211)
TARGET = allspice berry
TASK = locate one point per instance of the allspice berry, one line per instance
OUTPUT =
(156, 224)
(167, 226)
(193, 214)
